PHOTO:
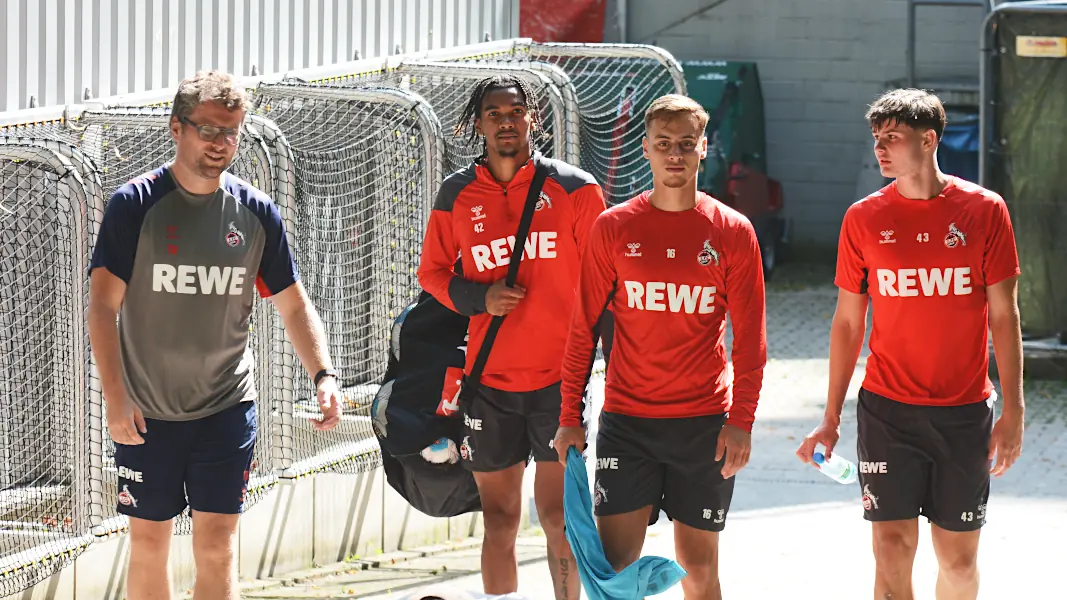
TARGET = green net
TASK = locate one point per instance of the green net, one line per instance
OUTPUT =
(1027, 160)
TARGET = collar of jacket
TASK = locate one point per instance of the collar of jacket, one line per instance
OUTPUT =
(523, 176)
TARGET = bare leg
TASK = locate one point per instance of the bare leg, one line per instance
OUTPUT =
(148, 577)
(895, 543)
(548, 495)
(215, 553)
(957, 563)
(501, 493)
(623, 536)
(698, 554)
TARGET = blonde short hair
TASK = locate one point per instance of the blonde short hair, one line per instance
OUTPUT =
(672, 105)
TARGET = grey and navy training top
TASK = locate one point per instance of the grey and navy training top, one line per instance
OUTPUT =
(191, 264)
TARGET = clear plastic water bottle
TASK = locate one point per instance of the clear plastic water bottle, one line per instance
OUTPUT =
(841, 470)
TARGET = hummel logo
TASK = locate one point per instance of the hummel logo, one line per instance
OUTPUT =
(887, 237)
(477, 210)
(634, 247)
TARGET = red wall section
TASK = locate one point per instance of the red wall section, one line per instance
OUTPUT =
(562, 20)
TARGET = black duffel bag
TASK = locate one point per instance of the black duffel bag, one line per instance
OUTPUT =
(416, 413)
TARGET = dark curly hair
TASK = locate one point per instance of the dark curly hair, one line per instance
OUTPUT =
(473, 109)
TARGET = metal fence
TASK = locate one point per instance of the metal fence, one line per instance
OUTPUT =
(353, 155)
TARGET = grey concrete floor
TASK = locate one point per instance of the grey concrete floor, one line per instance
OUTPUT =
(792, 533)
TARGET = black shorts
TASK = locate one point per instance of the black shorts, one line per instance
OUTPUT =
(667, 463)
(202, 463)
(928, 460)
(502, 429)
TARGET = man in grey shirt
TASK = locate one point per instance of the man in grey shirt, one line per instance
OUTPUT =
(181, 252)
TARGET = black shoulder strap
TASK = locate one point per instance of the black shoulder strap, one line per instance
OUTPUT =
(540, 174)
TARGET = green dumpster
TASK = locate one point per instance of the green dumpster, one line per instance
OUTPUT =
(735, 170)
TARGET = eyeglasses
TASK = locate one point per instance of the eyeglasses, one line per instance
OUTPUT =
(210, 133)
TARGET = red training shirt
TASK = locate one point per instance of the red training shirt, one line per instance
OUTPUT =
(926, 265)
(475, 218)
(670, 279)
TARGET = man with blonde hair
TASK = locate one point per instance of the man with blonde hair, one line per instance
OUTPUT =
(670, 263)
(181, 252)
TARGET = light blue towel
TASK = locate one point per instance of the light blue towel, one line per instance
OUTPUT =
(649, 576)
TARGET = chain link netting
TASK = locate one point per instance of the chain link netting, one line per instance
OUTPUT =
(364, 166)
(44, 242)
(448, 87)
(614, 85)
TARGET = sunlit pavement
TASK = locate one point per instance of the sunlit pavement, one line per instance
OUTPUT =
(792, 533)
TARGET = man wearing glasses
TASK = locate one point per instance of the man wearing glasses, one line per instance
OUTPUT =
(180, 255)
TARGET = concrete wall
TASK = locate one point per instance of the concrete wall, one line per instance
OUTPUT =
(821, 62)
(316, 521)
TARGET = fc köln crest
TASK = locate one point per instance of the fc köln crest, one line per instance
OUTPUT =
(465, 449)
(708, 254)
(955, 237)
(234, 237)
(126, 498)
(543, 201)
(870, 501)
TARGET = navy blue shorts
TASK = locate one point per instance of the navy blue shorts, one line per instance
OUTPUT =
(202, 464)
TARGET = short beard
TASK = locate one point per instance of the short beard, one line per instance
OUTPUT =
(508, 153)
(210, 171)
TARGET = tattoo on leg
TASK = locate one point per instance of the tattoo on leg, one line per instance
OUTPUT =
(564, 570)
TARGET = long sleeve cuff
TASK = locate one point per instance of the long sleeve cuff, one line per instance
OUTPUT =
(742, 415)
(467, 296)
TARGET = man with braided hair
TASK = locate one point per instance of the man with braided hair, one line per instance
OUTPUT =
(515, 410)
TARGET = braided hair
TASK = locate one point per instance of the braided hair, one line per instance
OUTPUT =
(473, 110)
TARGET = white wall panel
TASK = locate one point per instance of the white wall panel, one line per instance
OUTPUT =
(53, 50)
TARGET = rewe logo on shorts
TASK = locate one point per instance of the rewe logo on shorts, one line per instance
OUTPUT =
(873, 467)
(196, 279)
(475, 424)
(607, 463)
(905, 283)
(663, 297)
(540, 244)
(127, 473)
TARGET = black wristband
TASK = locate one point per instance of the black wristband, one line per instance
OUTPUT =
(323, 374)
